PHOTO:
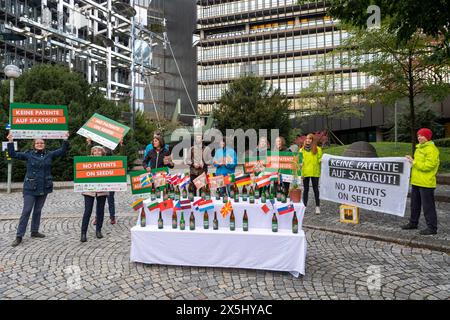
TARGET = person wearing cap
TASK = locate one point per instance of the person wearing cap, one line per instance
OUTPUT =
(38, 182)
(424, 167)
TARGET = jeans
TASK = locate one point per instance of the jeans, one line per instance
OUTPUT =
(100, 212)
(315, 183)
(29, 202)
(423, 197)
(111, 205)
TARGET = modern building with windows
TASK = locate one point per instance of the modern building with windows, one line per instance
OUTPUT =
(285, 43)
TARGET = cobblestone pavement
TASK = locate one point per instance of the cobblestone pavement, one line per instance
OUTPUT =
(61, 267)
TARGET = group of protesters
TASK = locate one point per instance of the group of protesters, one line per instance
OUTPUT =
(38, 182)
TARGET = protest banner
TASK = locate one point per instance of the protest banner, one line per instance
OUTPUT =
(284, 163)
(103, 130)
(38, 121)
(378, 184)
(137, 187)
(100, 173)
(254, 164)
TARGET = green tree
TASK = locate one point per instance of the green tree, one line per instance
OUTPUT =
(250, 103)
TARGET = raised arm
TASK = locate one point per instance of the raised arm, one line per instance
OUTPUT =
(61, 151)
(12, 153)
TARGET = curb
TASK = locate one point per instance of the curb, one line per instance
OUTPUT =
(404, 242)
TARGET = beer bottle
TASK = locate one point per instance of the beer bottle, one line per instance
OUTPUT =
(274, 223)
(182, 222)
(191, 192)
(174, 219)
(207, 192)
(278, 193)
(143, 221)
(236, 194)
(263, 197)
(171, 192)
(245, 221)
(215, 221)
(232, 222)
(153, 193)
(283, 195)
(192, 221)
(252, 195)
(184, 193)
(165, 194)
(177, 193)
(217, 194)
(295, 223)
(206, 220)
(225, 197)
(232, 191)
(244, 193)
(160, 221)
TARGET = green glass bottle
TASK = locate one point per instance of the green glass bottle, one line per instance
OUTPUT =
(207, 192)
(191, 192)
(232, 191)
(215, 221)
(174, 219)
(177, 193)
(206, 220)
(182, 222)
(232, 221)
(192, 221)
(171, 192)
(165, 194)
(278, 193)
(160, 221)
(225, 197)
(245, 221)
(263, 197)
(143, 220)
(295, 223)
(184, 193)
(283, 195)
(244, 193)
(236, 195)
(153, 193)
(257, 193)
(217, 194)
(274, 223)
(251, 195)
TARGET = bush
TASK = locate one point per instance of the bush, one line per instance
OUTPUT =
(444, 143)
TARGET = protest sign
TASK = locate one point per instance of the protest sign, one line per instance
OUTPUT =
(137, 187)
(38, 121)
(378, 184)
(100, 173)
(254, 164)
(283, 162)
(103, 130)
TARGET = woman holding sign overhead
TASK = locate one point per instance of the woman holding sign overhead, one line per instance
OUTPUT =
(158, 157)
(38, 183)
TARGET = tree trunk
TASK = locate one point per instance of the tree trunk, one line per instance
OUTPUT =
(411, 106)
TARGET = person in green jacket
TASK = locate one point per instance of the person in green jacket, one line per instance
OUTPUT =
(424, 167)
(312, 156)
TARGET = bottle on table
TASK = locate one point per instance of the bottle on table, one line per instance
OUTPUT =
(225, 197)
(184, 193)
(257, 193)
(232, 191)
(191, 192)
(171, 192)
(274, 223)
(283, 195)
(217, 194)
(263, 196)
(251, 195)
(295, 223)
(215, 221)
(206, 220)
(165, 194)
(177, 193)
(232, 221)
(160, 221)
(192, 221)
(153, 193)
(245, 221)
(143, 220)
(278, 193)
(182, 222)
(244, 193)
(236, 194)
(207, 195)
(174, 219)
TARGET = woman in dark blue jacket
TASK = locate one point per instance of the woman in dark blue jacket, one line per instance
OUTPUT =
(37, 185)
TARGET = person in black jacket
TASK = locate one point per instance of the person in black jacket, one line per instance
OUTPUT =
(38, 183)
(158, 157)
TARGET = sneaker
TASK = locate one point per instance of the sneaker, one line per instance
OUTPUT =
(427, 232)
(113, 221)
(317, 210)
(37, 235)
(94, 222)
(16, 242)
(409, 226)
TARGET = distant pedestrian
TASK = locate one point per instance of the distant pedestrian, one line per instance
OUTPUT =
(38, 183)
(425, 165)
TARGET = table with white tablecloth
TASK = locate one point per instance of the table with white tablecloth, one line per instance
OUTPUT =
(258, 248)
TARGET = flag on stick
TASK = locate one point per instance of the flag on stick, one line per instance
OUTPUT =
(226, 209)
(138, 204)
(286, 209)
(165, 205)
(265, 208)
(205, 205)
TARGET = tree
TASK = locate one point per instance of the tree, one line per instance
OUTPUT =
(401, 70)
(52, 84)
(250, 103)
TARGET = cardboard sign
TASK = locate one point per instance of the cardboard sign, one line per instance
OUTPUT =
(216, 182)
(100, 173)
(103, 130)
(136, 185)
(254, 164)
(38, 121)
(283, 162)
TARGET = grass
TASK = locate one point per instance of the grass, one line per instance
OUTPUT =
(389, 149)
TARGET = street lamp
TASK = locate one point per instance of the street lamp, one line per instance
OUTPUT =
(12, 72)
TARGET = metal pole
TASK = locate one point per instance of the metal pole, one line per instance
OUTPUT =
(11, 100)
(395, 123)
(133, 108)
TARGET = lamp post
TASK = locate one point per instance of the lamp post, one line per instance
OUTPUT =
(12, 72)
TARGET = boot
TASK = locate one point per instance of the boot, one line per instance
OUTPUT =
(409, 226)
(16, 242)
(427, 232)
(98, 234)
(37, 235)
(83, 237)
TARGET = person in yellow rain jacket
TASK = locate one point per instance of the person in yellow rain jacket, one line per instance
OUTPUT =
(312, 156)
(424, 167)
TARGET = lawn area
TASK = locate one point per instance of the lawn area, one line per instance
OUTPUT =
(388, 149)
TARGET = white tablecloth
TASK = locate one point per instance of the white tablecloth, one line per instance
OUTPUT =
(257, 219)
(255, 249)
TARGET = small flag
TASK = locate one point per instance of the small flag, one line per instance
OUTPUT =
(145, 179)
(154, 205)
(226, 209)
(183, 205)
(229, 179)
(138, 204)
(205, 205)
(184, 181)
(262, 181)
(286, 209)
(159, 180)
(197, 203)
(200, 181)
(273, 176)
(243, 180)
(265, 208)
(165, 205)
